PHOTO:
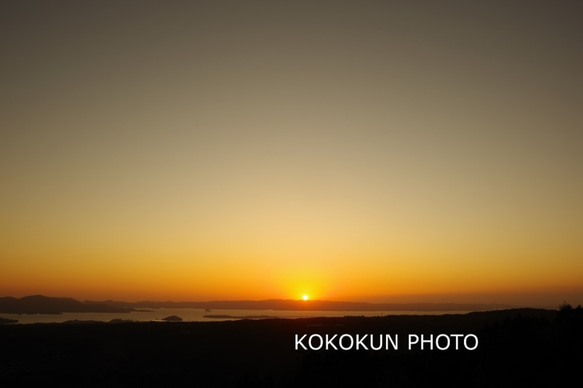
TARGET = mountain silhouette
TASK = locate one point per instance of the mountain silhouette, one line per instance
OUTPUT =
(39, 304)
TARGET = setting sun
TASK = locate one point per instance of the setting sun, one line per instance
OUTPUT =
(292, 162)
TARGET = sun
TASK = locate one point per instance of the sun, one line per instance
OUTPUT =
(305, 297)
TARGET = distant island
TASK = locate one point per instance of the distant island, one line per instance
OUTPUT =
(39, 304)
(312, 305)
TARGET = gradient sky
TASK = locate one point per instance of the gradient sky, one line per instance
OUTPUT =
(369, 150)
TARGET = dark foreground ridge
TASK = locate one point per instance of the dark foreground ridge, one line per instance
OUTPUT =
(523, 347)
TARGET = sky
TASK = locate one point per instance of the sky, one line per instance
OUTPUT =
(371, 151)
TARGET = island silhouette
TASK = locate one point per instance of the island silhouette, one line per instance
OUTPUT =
(39, 304)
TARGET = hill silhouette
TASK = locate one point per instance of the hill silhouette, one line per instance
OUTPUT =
(311, 305)
(39, 304)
